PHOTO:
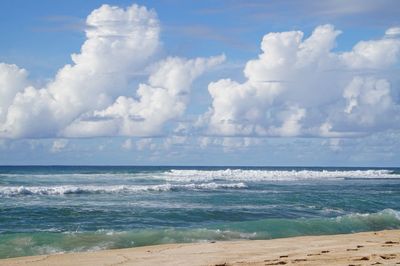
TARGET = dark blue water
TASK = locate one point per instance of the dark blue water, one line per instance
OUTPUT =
(47, 209)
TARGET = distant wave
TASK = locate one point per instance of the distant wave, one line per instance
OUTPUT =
(192, 175)
(272, 175)
(90, 189)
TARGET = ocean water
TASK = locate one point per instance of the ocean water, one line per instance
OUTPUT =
(52, 209)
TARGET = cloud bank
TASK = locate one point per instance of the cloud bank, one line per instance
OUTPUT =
(119, 86)
(95, 95)
(300, 87)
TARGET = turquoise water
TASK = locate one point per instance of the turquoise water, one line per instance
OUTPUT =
(64, 209)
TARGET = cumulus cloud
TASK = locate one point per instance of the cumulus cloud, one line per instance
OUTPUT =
(146, 143)
(299, 87)
(118, 42)
(127, 144)
(163, 98)
(229, 144)
(174, 140)
(12, 80)
(335, 144)
(59, 145)
(375, 54)
(94, 95)
(392, 32)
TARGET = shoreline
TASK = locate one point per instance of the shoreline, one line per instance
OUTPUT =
(367, 248)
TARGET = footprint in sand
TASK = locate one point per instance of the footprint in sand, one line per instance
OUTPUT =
(391, 242)
(299, 260)
(277, 263)
(388, 256)
(363, 258)
(316, 254)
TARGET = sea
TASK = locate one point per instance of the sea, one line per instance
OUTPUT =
(60, 209)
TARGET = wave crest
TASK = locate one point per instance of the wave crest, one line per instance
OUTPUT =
(81, 189)
(272, 175)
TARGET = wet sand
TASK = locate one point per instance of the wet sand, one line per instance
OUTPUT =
(370, 248)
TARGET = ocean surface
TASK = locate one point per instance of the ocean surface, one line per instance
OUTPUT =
(52, 209)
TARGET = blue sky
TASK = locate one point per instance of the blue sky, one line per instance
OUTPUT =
(200, 82)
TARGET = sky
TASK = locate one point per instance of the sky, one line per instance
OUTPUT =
(172, 82)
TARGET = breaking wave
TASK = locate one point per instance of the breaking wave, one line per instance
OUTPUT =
(274, 175)
(39, 243)
(90, 189)
(192, 175)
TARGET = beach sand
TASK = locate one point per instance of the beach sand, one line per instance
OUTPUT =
(370, 248)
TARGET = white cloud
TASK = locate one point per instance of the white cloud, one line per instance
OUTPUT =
(368, 106)
(12, 80)
(163, 98)
(300, 87)
(94, 95)
(291, 125)
(228, 144)
(118, 43)
(127, 144)
(146, 143)
(233, 143)
(203, 142)
(375, 54)
(59, 145)
(334, 144)
(392, 32)
(174, 140)
(296, 87)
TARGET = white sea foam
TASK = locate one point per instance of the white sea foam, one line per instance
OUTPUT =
(271, 175)
(186, 175)
(378, 217)
(77, 189)
(81, 176)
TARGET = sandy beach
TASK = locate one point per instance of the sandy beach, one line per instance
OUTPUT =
(370, 248)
